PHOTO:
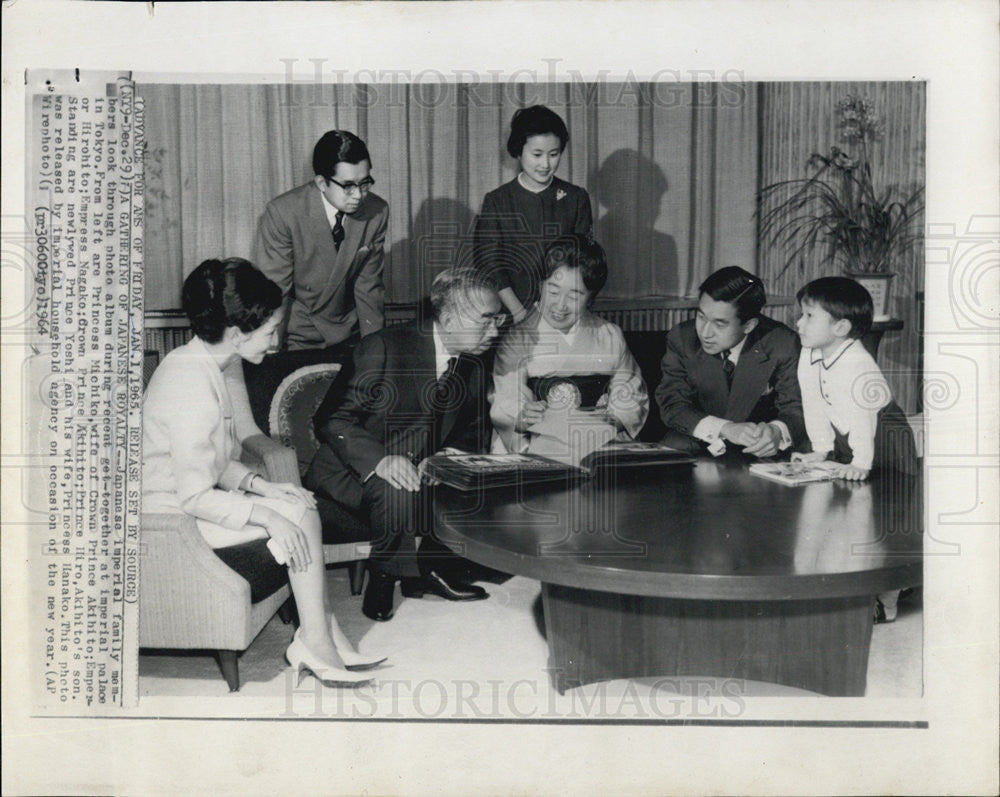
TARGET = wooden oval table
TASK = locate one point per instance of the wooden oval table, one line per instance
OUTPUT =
(700, 570)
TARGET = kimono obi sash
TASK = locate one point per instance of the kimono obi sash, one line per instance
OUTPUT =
(573, 391)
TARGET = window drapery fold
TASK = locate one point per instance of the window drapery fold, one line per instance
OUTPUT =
(671, 171)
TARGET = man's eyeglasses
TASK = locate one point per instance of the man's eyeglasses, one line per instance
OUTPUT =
(349, 188)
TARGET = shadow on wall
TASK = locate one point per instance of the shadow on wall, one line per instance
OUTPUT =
(642, 260)
(441, 237)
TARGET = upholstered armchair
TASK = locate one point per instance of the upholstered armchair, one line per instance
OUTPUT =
(346, 535)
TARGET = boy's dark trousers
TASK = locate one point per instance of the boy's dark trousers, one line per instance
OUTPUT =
(894, 446)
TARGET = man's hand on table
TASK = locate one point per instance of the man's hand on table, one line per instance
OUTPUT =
(741, 434)
(768, 441)
(399, 472)
(425, 477)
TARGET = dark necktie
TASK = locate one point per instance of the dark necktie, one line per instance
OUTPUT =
(444, 388)
(338, 231)
(728, 367)
(446, 398)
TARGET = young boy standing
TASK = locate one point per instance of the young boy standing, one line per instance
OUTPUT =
(846, 401)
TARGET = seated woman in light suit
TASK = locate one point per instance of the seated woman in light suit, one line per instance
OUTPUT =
(191, 460)
(565, 382)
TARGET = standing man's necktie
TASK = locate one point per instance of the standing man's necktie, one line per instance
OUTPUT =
(728, 367)
(338, 231)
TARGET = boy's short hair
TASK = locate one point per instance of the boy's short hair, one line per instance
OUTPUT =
(334, 147)
(738, 287)
(536, 120)
(842, 298)
(575, 250)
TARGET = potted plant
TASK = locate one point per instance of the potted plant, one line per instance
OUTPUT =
(838, 208)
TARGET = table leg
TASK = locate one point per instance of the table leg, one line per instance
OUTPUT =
(819, 645)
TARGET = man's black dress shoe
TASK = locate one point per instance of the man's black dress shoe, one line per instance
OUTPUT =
(433, 582)
(377, 604)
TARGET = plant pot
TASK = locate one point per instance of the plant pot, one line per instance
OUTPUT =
(878, 286)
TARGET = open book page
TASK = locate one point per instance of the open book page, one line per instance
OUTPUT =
(570, 435)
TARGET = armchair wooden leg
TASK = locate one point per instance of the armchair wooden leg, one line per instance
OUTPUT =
(230, 668)
(357, 576)
(289, 612)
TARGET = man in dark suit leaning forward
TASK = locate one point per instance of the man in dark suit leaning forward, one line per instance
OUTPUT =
(413, 392)
(729, 375)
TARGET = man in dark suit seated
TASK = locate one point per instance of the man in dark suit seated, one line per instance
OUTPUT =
(323, 243)
(729, 375)
(414, 391)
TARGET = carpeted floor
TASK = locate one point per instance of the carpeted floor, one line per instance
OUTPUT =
(482, 659)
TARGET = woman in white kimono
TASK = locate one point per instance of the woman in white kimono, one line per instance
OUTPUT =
(191, 461)
(565, 382)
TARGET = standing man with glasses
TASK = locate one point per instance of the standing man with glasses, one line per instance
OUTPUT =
(323, 243)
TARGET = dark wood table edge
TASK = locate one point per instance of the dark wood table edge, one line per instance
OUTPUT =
(586, 646)
(553, 569)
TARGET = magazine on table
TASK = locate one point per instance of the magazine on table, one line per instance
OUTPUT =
(795, 473)
(470, 471)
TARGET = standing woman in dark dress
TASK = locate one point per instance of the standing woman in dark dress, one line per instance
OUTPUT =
(520, 218)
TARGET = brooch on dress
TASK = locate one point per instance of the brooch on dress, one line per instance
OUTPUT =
(559, 194)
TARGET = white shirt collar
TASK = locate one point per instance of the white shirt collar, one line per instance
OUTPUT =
(815, 355)
(734, 353)
(330, 210)
(441, 353)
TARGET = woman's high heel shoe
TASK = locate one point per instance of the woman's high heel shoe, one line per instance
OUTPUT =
(300, 658)
(352, 659)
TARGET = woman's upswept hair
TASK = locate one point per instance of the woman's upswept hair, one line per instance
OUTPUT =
(575, 250)
(536, 120)
(228, 293)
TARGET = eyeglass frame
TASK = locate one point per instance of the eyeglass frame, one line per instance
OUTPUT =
(496, 319)
(362, 188)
